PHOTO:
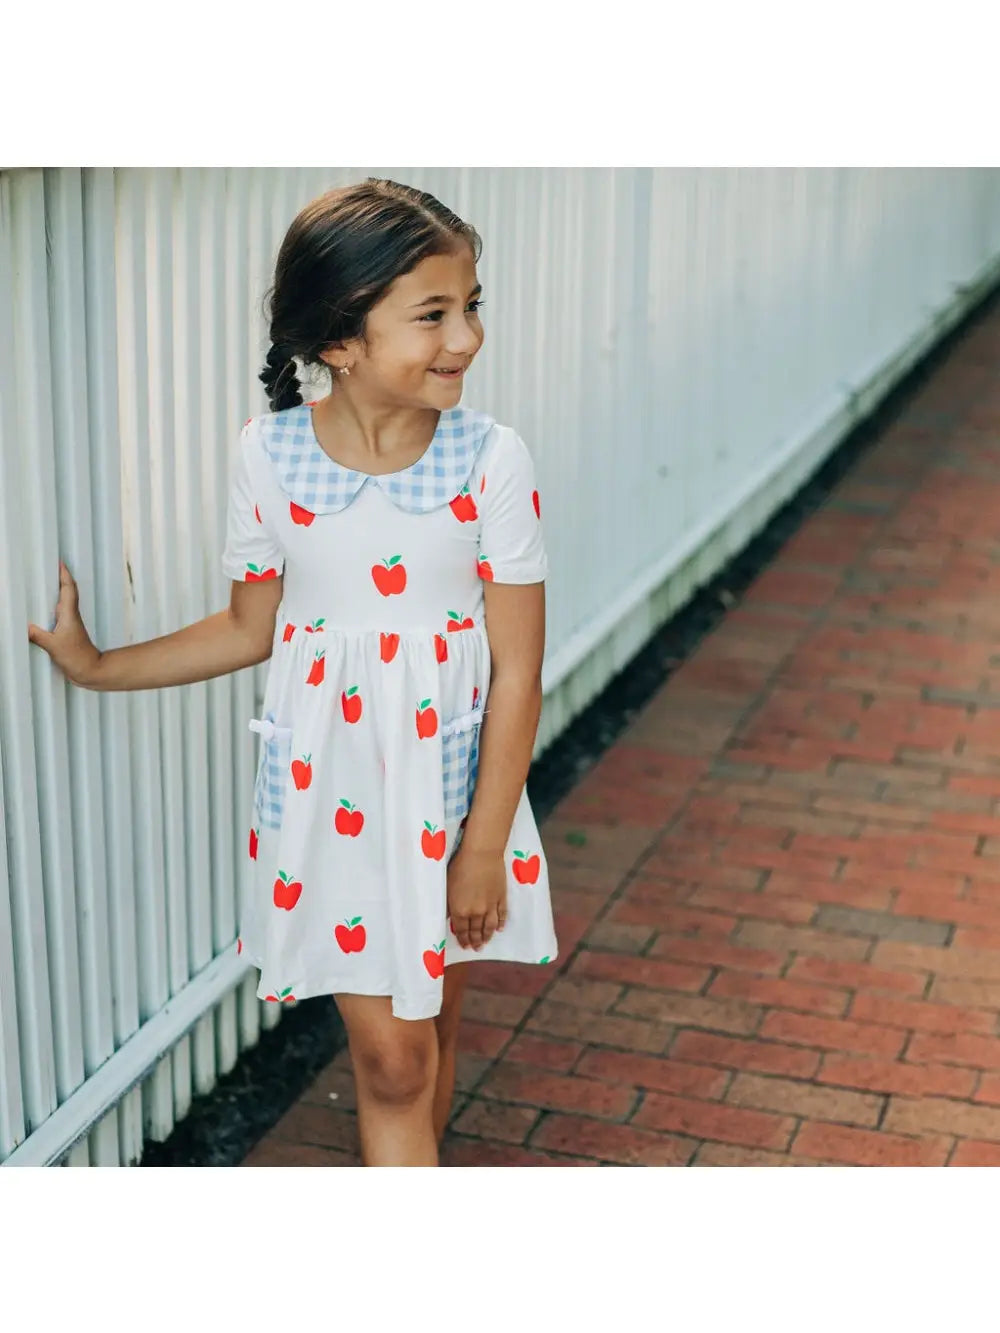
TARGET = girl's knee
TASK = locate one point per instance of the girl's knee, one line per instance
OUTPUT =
(397, 1072)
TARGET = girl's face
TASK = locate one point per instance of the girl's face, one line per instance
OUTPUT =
(421, 337)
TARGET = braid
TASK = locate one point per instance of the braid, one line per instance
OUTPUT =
(280, 379)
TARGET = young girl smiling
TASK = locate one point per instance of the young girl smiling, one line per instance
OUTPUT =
(385, 549)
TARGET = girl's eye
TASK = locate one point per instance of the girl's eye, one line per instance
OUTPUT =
(434, 316)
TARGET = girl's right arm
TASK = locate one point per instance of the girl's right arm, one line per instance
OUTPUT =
(240, 636)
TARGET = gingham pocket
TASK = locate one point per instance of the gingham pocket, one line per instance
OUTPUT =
(272, 770)
(460, 762)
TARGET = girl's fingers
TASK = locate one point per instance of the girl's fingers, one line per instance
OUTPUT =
(476, 931)
(68, 595)
(490, 925)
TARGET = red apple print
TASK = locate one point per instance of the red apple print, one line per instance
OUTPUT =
(350, 702)
(289, 631)
(475, 695)
(300, 515)
(390, 576)
(526, 868)
(456, 621)
(255, 574)
(388, 643)
(432, 842)
(287, 891)
(464, 507)
(315, 626)
(254, 839)
(302, 773)
(434, 961)
(318, 669)
(256, 514)
(482, 484)
(441, 647)
(485, 569)
(285, 996)
(351, 935)
(536, 503)
(348, 820)
(247, 422)
(427, 720)
(239, 947)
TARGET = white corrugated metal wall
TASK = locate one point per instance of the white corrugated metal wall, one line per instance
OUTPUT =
(679, 348)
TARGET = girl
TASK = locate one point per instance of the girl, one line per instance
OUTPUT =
(385, 552)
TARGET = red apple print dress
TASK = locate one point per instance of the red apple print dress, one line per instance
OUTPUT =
(378, 681)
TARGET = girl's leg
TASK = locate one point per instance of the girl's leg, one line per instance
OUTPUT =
(395, 1069)
(446, 1023)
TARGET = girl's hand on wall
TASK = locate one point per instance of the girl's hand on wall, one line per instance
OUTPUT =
(477, 895)
(68, 643)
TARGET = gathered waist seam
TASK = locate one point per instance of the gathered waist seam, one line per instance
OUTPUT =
(419, 632)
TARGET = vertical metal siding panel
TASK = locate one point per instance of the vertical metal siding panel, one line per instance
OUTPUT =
(226, 1023)
(23, 973)
(190, 542)
(701, 386)
(38, 550)
(167, 573)
(64, 210)
(216, 432)
(144, 623)
(108, 575)
(569, 371)
(12, 1126)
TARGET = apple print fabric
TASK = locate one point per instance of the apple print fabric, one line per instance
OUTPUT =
(377, 687)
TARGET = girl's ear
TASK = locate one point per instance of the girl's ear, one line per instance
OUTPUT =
(332, 355)
(338, 355)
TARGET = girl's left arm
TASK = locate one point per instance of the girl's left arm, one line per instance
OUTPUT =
(515, 625)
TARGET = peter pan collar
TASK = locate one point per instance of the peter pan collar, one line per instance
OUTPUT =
(310, 477)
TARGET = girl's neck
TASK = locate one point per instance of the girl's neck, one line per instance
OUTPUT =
(372, 438)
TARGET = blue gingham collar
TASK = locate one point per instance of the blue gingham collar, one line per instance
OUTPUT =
(310, 477)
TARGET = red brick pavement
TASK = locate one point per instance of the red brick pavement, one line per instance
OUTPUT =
(778, 896)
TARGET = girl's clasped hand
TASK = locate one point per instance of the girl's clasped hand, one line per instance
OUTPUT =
(477, 895)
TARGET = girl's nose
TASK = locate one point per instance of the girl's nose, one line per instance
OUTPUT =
(461, 339)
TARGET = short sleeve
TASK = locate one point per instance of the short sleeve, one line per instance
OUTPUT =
(251, 552)
(511, 546)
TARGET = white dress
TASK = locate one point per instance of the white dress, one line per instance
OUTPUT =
(378, 680)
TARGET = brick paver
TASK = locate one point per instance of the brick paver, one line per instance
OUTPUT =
(778, 895)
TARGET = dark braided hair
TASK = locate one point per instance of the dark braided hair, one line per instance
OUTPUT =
(339, 257)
